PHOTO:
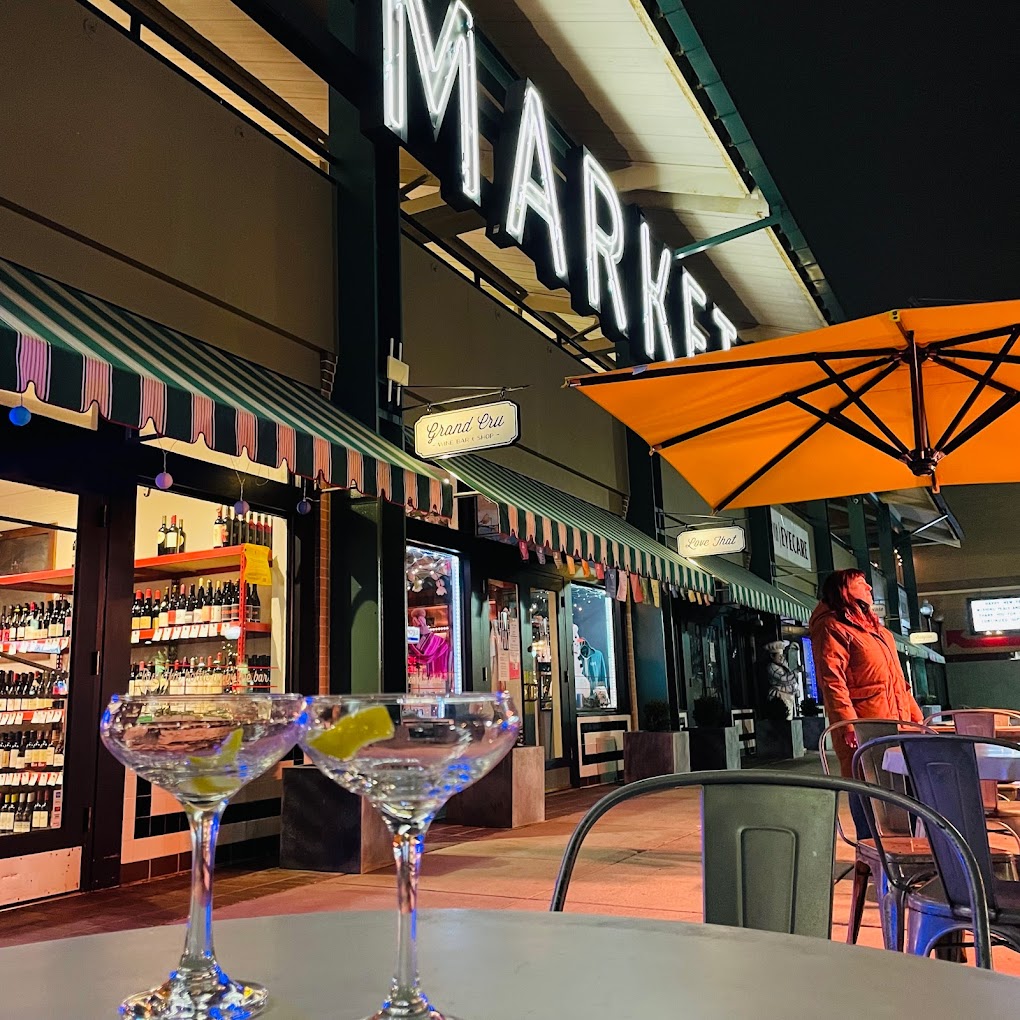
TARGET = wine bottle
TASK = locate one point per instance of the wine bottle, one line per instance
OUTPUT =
(216, 607)
(145, 617)
(17, 757)
(41, 814)
(173, 536)
(5, 751)
(67, 617)
(204, 602)
(182, 538)
(7, 814)
(219, 530)
(58, 748)
(255, 605)
(23, 816)
(136, 612)
(163, 619)
(161, 538)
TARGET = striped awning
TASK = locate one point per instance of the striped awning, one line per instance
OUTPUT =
(749, 590)
(536, 512)
(913, 651)
(78, 351)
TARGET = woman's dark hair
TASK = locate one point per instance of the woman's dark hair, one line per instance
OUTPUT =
(836, 595)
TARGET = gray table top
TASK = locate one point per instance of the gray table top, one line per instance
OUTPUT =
(511, 966)
(994, 762)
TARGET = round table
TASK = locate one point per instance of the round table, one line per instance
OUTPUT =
(514, 966)
(994, 762)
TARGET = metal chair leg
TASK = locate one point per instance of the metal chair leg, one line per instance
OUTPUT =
(858, 897)
(890, 905)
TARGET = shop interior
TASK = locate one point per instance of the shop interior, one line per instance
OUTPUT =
(434, 629)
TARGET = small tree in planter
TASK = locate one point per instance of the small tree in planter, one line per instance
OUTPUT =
(655, 749)
(813, 723)
(715, 743)
(776, 735)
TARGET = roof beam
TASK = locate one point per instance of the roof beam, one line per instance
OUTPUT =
(751, 207)
(684, 180)
(696, 247)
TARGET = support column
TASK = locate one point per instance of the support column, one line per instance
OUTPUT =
(906, 551)
(817, 513)
(859, 534)
(887, 557)
(763, 556)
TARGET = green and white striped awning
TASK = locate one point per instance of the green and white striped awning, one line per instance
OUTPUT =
(533, 511)
(913, 651)
(747, 589)
(78, 351)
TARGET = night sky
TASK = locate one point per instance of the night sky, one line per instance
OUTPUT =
(892, 131)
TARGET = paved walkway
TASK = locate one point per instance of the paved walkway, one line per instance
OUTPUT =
(644, 860)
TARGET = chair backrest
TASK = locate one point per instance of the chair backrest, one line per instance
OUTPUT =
(766, 858)
(945, 776)
(891, 820)
(979, 722)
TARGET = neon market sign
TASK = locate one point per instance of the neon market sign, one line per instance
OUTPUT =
(576, 230)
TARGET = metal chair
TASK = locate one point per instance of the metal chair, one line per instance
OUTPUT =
(944, 774)
(985, 722)
(910, 854)
(768, 853)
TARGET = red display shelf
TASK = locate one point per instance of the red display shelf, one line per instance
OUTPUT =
(204, 562)
(216, 631)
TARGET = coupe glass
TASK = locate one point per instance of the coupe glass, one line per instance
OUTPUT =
(202, 749)
(439, 745)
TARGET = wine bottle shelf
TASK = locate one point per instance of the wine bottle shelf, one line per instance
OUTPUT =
(28, 778)
(197, 632)
(44, 646)
(35, 717)
(148, 570)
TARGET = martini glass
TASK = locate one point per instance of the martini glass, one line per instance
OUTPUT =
(202, 749)
(407, 768)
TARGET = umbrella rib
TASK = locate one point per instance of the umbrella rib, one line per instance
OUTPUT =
(872, 417)
(1008, 359)
(802, 438)
(972, 338)
(767, 405)
(690, 366)
(995, 384)
(978, 388)
(851, 428)
(979, 424)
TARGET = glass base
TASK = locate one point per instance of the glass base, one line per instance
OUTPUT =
(431, 1014)
(207, 996)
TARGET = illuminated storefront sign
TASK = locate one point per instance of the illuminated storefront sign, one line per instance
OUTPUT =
(575, 229)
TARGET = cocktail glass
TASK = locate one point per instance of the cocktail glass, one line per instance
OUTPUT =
(407, 755)
(202, 749)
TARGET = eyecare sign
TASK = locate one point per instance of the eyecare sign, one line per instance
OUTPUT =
(466, 430)
(578, 232)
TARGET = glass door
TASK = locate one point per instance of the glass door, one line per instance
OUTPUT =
(543, 696)
(505, 659)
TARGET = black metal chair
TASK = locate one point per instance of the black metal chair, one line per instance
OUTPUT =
(910, 854)
(945, 775)
(768, 853)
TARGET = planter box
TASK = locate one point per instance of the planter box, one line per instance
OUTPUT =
(779, 738)
(325, 828)
(715, 747)
(814, 726)
(512, 794)
(647, 754)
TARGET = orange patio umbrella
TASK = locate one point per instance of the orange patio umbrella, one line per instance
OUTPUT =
(916, 397)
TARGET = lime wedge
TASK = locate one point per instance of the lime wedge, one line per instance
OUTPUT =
(353, 732)
(227, 754)
(209, 786)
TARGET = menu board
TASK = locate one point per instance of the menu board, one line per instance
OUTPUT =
(995, 615)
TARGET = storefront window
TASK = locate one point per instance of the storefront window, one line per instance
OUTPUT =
(505, 668)
(37, 554)
(541, 691)
(433, 622)
(593, 648)
(209, 612)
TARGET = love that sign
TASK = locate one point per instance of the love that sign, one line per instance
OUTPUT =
(449, 433)
(711, 542)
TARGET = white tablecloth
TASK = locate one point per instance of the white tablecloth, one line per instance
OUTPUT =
(994, 762)
(514, 966)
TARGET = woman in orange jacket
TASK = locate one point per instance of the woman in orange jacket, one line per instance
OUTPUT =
(856, 662)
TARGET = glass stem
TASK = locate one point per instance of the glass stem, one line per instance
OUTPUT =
(205, 826)
(406, 997)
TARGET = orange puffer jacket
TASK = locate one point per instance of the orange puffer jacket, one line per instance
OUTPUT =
(859, 675)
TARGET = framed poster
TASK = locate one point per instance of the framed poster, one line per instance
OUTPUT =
(26, 550)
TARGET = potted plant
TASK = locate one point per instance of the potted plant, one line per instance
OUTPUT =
(715, 742)
(776, 735)
(655, 749)
(813, 723)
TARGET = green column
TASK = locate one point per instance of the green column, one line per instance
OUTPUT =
(859, 533)
(887, 558)
(817, 515)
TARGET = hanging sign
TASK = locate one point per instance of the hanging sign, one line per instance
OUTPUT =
(467, 430)
(791, 542)
(711, 541)
(577, 231)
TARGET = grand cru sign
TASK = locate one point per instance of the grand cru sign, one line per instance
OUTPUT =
(467, 430)
(577, 231)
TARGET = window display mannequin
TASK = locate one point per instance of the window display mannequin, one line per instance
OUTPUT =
(591, 675)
